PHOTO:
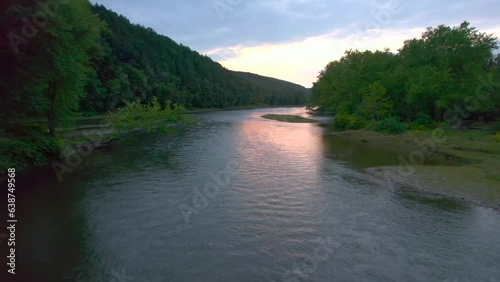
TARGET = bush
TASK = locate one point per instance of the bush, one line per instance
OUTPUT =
(348, 122)
(27, 146)
(358, 123)
(152, 116)
(496, 137)
(390, 125)
(420, 127)
(422, 122)
(444, 125)
(341, 121)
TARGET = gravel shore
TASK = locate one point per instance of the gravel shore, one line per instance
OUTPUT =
(464, 183)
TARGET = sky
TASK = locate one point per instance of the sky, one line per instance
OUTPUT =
(295, 39)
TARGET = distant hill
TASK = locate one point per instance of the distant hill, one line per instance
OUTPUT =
(138, 63)
(267, 81)
(274, 85)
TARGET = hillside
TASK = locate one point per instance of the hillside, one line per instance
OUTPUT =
(285, 90)
(87, 60)
(139, 64)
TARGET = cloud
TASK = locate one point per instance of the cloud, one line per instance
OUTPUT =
(294, 39)
(301, 61)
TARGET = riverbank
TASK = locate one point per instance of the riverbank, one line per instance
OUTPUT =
(289, 118)
(471, 160)
(236, 108)
(88, 132)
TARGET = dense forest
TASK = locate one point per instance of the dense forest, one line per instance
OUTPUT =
(68, 59)
(139, 63)
(284, 92)
(100, 62)
(449, 75)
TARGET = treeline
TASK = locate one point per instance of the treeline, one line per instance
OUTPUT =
(282, 92)
(448, 75)
(64, 59)
(139, 63)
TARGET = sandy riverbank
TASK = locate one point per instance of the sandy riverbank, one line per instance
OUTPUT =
(470, 169)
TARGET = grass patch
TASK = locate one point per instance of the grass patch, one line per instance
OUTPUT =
(476, 153)
(289, 118)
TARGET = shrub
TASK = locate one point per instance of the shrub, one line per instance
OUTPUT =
(444, 125)
(152, 116)
(371, 125)
(420, 127)
(348, 122)
(27, 146)
(341, 121)
(496, 137)
(358, 123)
(422, 122)
(390, 125)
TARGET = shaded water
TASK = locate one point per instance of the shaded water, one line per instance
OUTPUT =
(283, 202)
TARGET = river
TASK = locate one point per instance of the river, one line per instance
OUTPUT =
(242, 198)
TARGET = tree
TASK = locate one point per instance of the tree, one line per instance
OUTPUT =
(376, 104)
(445, 65)
(448, 68)
(55, 62)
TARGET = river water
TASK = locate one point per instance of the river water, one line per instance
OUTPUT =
(241, 198)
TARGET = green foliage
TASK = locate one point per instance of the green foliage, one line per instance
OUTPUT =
(88, 60)
(496, 137)
(49, 72)
(275, 91)
(356, 84)
(152, 116)
(376, 104)
(27, 146)
(446, 69)
(138, 63)
(444, 125)
(348, 122)
(422, 122)
(390, 125)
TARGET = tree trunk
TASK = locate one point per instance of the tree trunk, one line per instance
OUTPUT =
(52, 108)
